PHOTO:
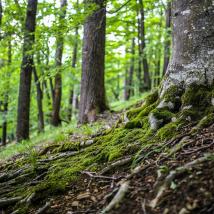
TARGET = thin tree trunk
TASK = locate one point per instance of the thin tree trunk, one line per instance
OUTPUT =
(129, 81)
(39, 98)
(6, 96)
(158, 54)
(140, 56)
(146, 77)
(1, 11)
(23, 122)
(56, 121)
(73, 65)
(45, 84)
(52, 89)
(167, 39)
(92, 100)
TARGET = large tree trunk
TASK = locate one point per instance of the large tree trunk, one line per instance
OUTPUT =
(167, 39)
(129, 74)
(92, 100)
(146, 76)
(22, 131)
(56, 121)
(39, 98)
(193, 44)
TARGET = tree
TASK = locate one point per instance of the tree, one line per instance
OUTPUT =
(167, 39)
(6, 94)
(129, 74)
(73, 65)
(92, 98)
(146, 84)
(39, 98)
(1, 10)
(190, 73)
(56, 121)
(23, 124)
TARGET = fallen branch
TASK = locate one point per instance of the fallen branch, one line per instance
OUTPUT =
(117, 198)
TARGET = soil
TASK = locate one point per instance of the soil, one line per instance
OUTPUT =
(191, 191)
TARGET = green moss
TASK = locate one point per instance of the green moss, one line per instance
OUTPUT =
(198, 96)
(168, 131)
(191, 114)
(172, 93)
(134, 112)
(141, 119)
(206, 121)
(68, 146)
(162, 114)
(151, 98)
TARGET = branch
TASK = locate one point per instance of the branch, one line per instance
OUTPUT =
(118, 9)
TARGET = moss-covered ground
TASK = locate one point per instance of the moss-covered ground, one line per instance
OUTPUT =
(158, 133)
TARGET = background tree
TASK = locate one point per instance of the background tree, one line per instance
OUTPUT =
(167, 38)
(26, 72)
(93, 100)
(58, 78)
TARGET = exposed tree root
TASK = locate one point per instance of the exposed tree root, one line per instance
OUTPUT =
(175, 173)
(9, 201)
(44, 208)
(62, 155)
(117, 198)
(116, 164)
(94, 175)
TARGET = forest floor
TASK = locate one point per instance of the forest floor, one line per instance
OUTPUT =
(86, 175)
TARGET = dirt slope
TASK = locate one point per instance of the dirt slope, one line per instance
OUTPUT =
(121, 169)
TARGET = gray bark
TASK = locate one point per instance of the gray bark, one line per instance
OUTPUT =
(193, 44)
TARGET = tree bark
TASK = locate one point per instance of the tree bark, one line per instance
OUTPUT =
(6, 96)
(1, 11)
(193, 41)
(92, 100)
(129, 76)
(167, 39)
(56, 121)
(23, 124)
(146, 76)
(73, 65)
(39, 99)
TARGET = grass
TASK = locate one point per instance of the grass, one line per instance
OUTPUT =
(62, 133)
(51, 135)
(121, 105)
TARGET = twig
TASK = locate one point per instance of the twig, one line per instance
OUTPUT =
(118, 9)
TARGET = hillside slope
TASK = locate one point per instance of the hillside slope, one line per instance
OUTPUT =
(128, 168)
